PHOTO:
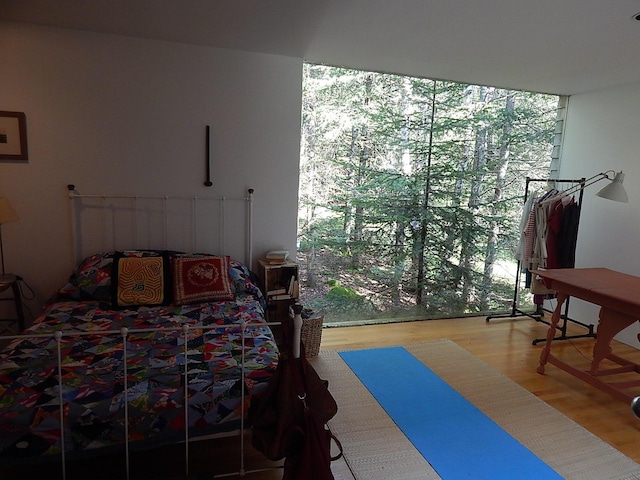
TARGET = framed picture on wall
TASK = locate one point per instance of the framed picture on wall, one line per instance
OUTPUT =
(13, 136)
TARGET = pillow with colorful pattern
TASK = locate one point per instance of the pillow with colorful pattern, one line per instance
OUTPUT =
(201, 279)
(140, 280)
(91, 279)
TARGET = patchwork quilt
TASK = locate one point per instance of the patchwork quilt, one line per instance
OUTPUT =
(95, 376)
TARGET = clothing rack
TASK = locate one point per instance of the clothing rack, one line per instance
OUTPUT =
(538, 314)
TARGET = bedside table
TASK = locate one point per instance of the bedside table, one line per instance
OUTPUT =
(280, 282)
(7, 282)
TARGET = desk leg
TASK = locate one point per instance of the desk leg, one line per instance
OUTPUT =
(611, 323)
(551, 332)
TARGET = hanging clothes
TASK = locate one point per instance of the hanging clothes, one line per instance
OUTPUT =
(548, 230)
(569, 236)
(539, 256)
(554, 234)
(560, 234)
(535, 232)
(527, 231)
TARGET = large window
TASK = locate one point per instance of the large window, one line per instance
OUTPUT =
(411, 193)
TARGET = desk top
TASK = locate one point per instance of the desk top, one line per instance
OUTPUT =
(602, 286)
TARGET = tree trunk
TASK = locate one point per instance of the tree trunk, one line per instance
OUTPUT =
(421, 273)
(364, 152)
(358, 211)
(501, 172)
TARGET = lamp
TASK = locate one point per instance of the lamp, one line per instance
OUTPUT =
(7, 214)
(614, 191)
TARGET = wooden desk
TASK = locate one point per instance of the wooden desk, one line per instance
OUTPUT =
(618, 296)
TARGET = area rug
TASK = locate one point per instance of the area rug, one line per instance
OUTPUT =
(439, 422)
(375, 448)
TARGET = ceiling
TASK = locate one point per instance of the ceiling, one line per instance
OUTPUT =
(551, 46)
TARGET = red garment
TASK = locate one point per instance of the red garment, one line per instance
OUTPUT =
(554, 225)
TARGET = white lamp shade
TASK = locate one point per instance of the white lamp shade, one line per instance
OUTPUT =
(7, 213)
(615, 190)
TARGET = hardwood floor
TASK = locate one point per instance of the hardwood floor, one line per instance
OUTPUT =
(502, 343)
(505, 344)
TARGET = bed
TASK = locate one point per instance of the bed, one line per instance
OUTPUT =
(191, 327)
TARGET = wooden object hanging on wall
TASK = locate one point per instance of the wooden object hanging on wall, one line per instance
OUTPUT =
(208, 181)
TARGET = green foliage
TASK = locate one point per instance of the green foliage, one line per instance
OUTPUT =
(415, 187)
(338, 293)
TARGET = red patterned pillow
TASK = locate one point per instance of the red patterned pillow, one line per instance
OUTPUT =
(201, 279)
(140, 281)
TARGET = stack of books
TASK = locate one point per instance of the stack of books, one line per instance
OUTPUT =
(277, 256)
(291, 290)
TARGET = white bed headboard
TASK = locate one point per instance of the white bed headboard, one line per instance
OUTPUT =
(217, 225)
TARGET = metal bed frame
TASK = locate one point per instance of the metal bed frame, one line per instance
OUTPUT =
(117, 212)
(106, 206)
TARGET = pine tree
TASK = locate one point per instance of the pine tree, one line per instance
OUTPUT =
(413, 188)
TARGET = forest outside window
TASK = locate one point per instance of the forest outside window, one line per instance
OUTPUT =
(411, 193)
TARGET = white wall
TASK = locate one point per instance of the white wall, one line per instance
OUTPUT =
(112, 113)
(122, 115)
(602, 133)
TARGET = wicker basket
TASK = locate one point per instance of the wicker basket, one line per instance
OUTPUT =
(311, 334)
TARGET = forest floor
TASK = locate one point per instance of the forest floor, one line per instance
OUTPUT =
(348, 295)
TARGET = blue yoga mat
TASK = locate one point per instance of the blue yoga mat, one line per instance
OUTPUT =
(454, 436)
